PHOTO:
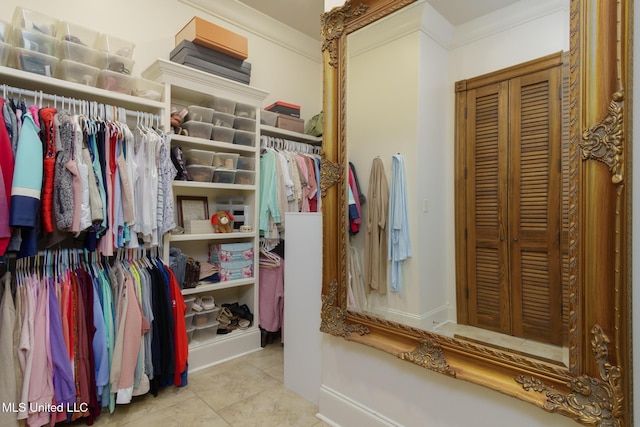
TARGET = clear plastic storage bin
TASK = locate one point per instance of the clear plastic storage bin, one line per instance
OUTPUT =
(115, 46)
(78, 53)
(198, 157)
(245, 111)
(115, 82)
(248, 125)
(189, 303)
(188, 319)
(246, 163)
(222, 105)
(268, 118)
(190, 332)
(200, 114)
(34, 41)
(223, 119)
(244, 138)
(198, 129)
(35, 62)
(77, 72)
(5, 53)
(225, 160)
(148, 89)
(206, 317)
(206, 333)
(6, 31)
(34, 21)
(224, 176)
(245, 177)
(223, 134)
(76, 34)
(200, 173)
(115, 63)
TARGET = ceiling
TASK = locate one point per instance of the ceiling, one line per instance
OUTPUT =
(304, 15)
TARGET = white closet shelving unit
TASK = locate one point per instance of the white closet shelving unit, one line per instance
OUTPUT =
(290, 135)
(185, 86)
(49, 85)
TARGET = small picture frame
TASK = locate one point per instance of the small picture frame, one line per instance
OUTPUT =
(192, 208)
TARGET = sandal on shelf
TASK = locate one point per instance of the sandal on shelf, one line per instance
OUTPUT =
(224, 317)
(243, 324)
(207, 302)
(197, 305)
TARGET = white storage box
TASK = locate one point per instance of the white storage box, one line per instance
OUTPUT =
(198, 129)
(115, 63)
(246, 111)
(77, 34)
(268, 118)
(198, 226)
(35, 62)
(6, 31)
(34, 41)
(245, 124)
(225, 160)
(245, 177)
(200, 114)
(223, 119)
(115, 46)
(200, 173)
(223, 134)
(148, 89)
(78, 53)
(115, 82)
(34, 21)
(222, 105)
(246, 163)
(198, 157)
(77, 72)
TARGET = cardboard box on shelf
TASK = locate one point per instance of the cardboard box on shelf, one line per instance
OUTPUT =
(281, 107)
(290, 123)
(214, 37)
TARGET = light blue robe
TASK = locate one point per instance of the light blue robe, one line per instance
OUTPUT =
(399, 240)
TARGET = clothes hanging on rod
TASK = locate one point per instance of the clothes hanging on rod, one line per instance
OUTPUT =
(289, 182)
(106, 185)
(89, 333)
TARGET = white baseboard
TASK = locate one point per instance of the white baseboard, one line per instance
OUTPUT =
(338, 410)
(426, 321)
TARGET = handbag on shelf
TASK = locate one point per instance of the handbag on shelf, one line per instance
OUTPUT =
(314, 125)
(192, 273)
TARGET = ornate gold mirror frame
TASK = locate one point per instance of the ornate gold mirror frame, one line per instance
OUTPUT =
(595, 388)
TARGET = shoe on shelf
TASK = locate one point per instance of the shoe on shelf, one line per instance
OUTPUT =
(207, 302)
(243, 324)
(224, 317)
(197, 305)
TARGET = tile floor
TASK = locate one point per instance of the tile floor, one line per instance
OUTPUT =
(247, 391)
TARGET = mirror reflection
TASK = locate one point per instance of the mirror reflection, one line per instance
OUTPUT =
(486, 221)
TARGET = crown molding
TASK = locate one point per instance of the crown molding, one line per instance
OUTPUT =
(261, 25)
(509, 17)
(418, 16)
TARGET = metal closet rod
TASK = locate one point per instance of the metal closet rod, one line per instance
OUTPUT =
(285, 144)
(80, 105)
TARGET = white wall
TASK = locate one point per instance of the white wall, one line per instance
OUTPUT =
(364, 386)
(152, 24)
(381, 98)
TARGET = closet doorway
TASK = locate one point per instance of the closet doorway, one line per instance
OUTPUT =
(511, 201)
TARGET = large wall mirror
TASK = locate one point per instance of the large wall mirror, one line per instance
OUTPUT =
(500, 142)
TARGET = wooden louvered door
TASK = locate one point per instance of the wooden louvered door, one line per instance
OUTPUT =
(512, 202)
(535, 191)
(487, 210)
